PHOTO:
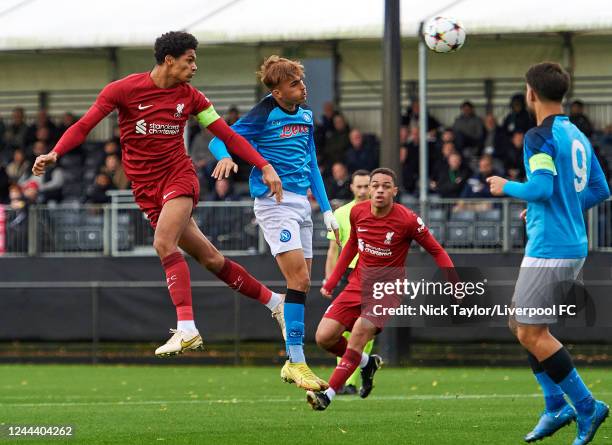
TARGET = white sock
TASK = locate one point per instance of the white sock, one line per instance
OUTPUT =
(330, 393)
(275, 299)
(364, 360)
(186, 325)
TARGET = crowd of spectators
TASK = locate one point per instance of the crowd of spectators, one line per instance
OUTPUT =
(460, 157)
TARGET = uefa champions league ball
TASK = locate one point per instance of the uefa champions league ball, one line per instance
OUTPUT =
(443, 34)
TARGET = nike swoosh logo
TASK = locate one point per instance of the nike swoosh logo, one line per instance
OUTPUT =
(359, 229)
(168, 194)
(144, 107)
(186, 344)
(171, 284)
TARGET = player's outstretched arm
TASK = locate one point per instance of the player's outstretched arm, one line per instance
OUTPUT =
(318, 191)
(538, 188)
(597, 189)
(348, 253)
(73, 137)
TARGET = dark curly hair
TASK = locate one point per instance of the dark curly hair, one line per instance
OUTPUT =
(175, 44)
(549, 80)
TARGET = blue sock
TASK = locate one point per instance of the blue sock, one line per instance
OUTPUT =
(553, 394)
(560, 369)
(294, 325)
(578, 393)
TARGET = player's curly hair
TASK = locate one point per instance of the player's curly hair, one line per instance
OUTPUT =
(276, 69)
(173, 43)
(549, 81)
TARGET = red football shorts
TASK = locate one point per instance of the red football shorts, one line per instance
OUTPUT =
(346, 308)
(352, 304)
(151, 196)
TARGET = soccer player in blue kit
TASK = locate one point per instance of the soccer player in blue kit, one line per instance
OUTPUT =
(281, 128)
(564, 179)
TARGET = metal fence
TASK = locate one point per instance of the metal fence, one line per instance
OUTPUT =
(120, 229)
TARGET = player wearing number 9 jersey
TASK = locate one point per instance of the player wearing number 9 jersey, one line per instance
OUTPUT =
(564, 179)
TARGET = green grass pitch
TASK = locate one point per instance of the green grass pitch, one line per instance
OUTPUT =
(250, 405)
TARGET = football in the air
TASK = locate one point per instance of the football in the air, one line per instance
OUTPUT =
(443, 34)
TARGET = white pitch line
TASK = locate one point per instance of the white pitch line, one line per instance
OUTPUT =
(283, 400)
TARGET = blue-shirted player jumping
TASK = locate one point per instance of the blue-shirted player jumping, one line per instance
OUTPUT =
(564, 179)
(281, 129)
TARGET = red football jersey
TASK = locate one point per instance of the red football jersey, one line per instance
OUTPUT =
(151, 121)
(384, 242)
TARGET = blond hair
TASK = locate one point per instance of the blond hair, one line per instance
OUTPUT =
(275, 70)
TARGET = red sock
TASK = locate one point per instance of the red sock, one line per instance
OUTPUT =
(349, 362)
(237, 278)
(339, 348)
(179, 284)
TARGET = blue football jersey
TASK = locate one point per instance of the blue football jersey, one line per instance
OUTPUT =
(556, 227)
(284, 139)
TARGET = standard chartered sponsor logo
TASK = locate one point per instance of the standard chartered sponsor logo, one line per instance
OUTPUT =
(142, 127)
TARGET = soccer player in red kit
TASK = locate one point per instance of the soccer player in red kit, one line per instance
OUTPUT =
(153, 110)
(381, 232)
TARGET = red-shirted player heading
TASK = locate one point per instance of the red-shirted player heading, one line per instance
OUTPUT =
(153, 110)
(381, 232)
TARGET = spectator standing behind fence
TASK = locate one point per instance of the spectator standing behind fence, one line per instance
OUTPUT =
(411, 117)
(42, 121)
(68, 119)
(18, 167)
(16, 131)
(452, 180)
(580, 119)
(518, 119)
(337, 142)
(362, 152)
(96, 192)
(468, 129)
(513, 163)
(476, 186)
(30, 191)
(338, 186)
(113, 168)
(496, 140)
(409, 158)
(325, 127)
(18, 224)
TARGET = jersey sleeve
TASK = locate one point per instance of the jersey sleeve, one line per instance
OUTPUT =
(539, 152)
(597, 189)
(109, 98)
(199, 101)
(316, 180)
(249, 127)
(349, 251)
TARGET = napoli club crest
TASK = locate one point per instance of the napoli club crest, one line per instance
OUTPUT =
(285, 235)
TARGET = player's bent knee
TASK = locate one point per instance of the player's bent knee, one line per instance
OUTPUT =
(163, 246)
(325, 339)
(302, 284)
(526, 336)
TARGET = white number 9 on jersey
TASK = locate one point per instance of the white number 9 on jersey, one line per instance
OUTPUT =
(580, 168)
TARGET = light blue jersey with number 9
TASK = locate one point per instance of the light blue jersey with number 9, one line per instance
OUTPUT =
(556, 227)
